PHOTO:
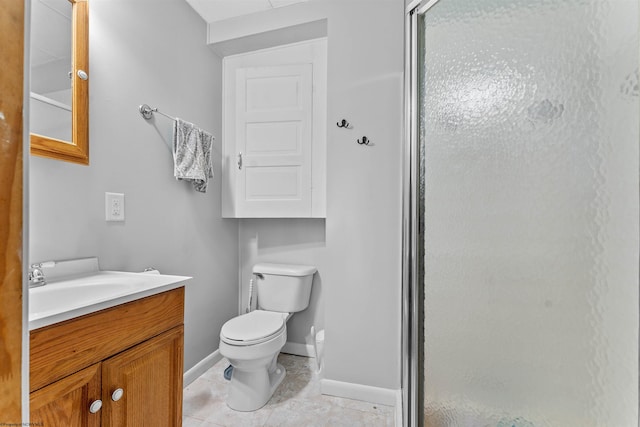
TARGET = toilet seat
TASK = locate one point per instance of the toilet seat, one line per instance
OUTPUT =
(253, 328)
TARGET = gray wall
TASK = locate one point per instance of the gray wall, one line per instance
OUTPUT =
(356, 294)
(364, 189)
(145, 51)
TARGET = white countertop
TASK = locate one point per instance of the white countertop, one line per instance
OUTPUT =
(87, 293)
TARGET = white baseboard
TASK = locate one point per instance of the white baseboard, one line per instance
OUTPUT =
(298, 349)
(382, 396)
(201, 367)
(399, 409)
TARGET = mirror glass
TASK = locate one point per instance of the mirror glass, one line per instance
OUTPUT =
(50, 103)
(59, 80)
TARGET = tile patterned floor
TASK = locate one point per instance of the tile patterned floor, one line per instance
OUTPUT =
(297, 402)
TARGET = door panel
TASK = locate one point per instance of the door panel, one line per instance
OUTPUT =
(274, 128)
(150, 376)
(66, 402)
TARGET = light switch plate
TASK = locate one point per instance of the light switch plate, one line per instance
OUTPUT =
(114, 206)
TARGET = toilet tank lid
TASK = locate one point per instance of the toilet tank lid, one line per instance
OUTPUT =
(284, 269)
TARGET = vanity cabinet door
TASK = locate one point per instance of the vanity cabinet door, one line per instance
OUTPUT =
(67, 402)
(150, 377)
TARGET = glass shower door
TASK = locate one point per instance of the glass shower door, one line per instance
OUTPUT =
(526, 155)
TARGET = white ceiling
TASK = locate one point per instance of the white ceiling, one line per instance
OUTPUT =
(217, 10)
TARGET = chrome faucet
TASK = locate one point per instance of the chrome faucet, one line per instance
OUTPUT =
(36, 275)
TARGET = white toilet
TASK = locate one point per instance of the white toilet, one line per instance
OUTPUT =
(251, 342)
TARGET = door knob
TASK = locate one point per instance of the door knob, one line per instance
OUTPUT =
(117, 394)
(95, 406)
(239, 160)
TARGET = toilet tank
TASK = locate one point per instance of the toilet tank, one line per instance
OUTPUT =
(283, 287)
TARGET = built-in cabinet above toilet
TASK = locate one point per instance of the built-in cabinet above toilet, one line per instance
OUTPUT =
(274, 132)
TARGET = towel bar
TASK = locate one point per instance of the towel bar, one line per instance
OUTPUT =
(147, 112)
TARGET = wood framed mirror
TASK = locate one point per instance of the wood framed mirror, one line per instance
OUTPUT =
(67, 138)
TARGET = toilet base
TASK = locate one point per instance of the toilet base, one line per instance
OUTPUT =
(276, 377)
(251, 390)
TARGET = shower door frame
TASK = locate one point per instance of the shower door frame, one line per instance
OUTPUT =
(412, 233)
(413, 339)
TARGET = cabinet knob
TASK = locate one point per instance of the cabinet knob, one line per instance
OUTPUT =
(95, 406)
(117, 394)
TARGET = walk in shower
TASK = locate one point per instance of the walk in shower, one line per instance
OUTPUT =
(522, 220)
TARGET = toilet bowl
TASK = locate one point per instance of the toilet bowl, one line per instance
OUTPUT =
(252, 341)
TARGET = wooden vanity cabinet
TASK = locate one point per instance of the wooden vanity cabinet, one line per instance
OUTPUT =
(135, 347)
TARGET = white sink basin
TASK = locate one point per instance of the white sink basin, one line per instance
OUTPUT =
(73, 297)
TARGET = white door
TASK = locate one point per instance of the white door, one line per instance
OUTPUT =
(273, 129)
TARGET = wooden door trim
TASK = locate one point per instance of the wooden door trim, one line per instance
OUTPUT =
(12, 21)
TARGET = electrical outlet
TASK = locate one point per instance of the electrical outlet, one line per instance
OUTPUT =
(114, 206)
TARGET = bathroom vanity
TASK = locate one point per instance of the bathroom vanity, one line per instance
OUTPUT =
(121, 366)
(106, 349)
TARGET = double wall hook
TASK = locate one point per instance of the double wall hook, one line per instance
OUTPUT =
(343, 124)
(365, 141)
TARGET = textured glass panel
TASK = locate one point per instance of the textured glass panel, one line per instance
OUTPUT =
(529, 136)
